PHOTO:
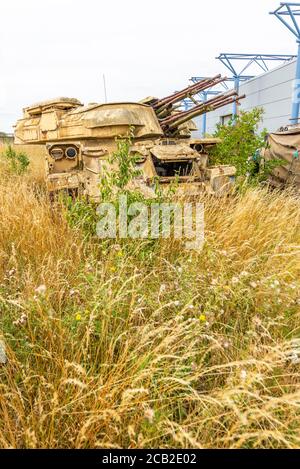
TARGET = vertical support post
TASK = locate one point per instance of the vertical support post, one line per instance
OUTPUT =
(288, 14)
(296, 91)
(204, 117)
(237, 89)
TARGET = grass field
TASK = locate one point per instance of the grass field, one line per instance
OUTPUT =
(142, 344)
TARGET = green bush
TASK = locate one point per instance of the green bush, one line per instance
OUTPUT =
(240, 142)
(18, 162)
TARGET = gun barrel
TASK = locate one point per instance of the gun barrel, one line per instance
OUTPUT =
(182, 118)
(161, 105)
(202, 107)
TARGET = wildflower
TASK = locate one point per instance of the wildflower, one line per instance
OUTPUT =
(202, 318)
(295, 359)
(120, 254)
(162, 289)
(180, 270)
(41, 290)
(257, 320)
(78, 317)
(253, 285)
(73, 292)
(113, 269)
(244, 274)
(177, 303)
(226, 345)
(21, 321)
(243, 375)
(191, 306)
(149, 415)
(234, 280)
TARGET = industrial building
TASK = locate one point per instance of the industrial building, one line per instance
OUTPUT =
(277, 90)
(273, 91)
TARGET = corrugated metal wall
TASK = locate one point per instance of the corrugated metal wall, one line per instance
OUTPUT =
(272, 91)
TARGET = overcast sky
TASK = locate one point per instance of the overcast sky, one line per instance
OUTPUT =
(51, 48)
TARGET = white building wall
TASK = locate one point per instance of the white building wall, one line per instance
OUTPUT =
(273, 91)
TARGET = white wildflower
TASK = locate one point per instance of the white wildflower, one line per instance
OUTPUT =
(244, 274)
(21, 321)
(41, 290)
(149, 415)
(73, 292)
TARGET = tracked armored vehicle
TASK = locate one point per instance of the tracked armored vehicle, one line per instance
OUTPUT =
(79, 139)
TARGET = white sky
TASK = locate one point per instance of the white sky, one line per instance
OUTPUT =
(51, 48)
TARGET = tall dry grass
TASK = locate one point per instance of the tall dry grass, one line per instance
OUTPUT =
(148, 345)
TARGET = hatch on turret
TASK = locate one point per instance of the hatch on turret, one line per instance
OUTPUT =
(62, 104)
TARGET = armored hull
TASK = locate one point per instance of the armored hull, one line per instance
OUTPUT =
(79, 140)
(284, 146)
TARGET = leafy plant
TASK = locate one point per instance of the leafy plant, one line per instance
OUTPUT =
(112, 183)
(240, 141)
(82, 213)
(118, 172)
(18, 161)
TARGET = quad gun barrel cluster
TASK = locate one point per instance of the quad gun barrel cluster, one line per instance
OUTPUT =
(170, 118)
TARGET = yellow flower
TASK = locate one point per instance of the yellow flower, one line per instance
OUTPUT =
(78, 317)
(112, 269)
(202, 318)
(120, 254)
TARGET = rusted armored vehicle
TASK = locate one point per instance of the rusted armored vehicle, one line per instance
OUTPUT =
(79, 139)
(284, 145)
